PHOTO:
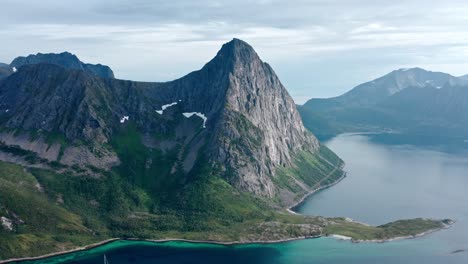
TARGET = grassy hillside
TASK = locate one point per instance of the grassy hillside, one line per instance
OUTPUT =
(56, 208)
(311, 171)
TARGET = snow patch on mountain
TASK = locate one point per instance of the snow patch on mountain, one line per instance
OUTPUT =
(123, 119)
(164, 107)
(202, 116)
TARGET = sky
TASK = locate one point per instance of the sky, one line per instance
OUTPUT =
(318, 48)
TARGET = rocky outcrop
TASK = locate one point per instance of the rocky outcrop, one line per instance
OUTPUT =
(38, 145)
(82, 156)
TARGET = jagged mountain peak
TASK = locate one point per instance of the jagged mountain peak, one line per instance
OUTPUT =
(238, 50)
(233, 56)
(64, 59)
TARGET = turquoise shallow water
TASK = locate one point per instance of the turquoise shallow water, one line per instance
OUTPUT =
(386, 181)
(323, 250)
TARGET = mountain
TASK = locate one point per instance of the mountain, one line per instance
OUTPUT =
(465, 77)
(252, 126)
(66, 60)
(214, 154)
(410, 101)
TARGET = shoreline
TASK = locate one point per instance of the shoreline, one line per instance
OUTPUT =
(290, 209)
(111, 240)
(224, 243)
(107, 241)
(234, 243)
(83, 248)
(428, 232)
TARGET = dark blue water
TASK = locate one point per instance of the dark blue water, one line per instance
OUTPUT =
(386, 181)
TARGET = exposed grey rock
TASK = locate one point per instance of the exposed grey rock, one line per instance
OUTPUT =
(253, 121)
(83, 156)
(259, 121)
(38, 145)
(8, 157)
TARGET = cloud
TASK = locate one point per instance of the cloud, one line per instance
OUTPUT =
(373, 28)
(318, 47)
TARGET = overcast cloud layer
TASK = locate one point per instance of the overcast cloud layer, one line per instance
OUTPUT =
(319, 48)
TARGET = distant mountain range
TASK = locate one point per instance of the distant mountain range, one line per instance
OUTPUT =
(96, 157)
(409, 101)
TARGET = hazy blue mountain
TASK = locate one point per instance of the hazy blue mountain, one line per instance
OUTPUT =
(465, 77)
(406, 101)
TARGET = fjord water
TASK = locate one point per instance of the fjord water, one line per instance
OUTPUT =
(386, 181)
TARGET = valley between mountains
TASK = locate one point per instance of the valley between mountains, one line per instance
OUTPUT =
(219, 155)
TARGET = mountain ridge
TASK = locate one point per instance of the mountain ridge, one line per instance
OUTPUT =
(379, 105)
(64, 59)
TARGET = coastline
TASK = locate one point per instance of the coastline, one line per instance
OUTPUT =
(233, 243)
(428, 232)
(83, 248)
(104, 242)
(290, 209)
(107, 241)
(223, 243)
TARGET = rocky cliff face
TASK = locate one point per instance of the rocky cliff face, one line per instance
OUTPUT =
(259, 122)
(233, 114)
(253, 122)
(51, 98)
